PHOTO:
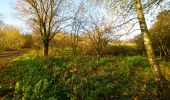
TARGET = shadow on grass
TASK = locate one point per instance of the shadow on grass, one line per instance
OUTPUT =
(34, 77)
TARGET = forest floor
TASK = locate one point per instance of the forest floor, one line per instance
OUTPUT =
(6, 57)
(29, 76)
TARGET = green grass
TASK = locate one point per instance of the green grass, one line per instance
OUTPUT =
(33, 77)
(29, 78)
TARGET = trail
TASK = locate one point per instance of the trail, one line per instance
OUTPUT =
(6, 57)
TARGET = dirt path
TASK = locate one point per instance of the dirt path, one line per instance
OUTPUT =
(6, 57)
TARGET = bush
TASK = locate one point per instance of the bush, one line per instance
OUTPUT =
(120, 50)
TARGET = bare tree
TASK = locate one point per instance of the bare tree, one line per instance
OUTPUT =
(76, 28)
(99, 34)
(46, 15)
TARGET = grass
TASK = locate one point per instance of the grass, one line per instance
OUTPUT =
(29, 78)
(35, 77)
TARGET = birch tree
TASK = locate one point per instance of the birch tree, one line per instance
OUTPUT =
(128, 8)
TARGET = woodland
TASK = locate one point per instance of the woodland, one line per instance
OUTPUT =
(87, 50)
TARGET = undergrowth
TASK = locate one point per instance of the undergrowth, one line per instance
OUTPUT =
(31, 77)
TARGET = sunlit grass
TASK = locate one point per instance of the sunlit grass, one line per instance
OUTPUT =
(120, 77)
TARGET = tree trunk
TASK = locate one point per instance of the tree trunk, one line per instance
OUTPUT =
(163, 49)
(46, 47)
(97, 61)
(149, 49)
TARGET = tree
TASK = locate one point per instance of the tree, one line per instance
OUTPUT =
(60, 43)
(99, 33)
(10, 37)
(160, 33)
(76, 28)
(126, 8)
(46, 15)
(147, 41)
(28, 42)
(149, 49)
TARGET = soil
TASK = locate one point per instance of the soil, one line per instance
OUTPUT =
(6, 57)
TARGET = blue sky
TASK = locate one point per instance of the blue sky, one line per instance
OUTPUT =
(8, 14)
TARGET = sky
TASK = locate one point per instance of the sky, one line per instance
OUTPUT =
(10, 17)
(9, 14)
